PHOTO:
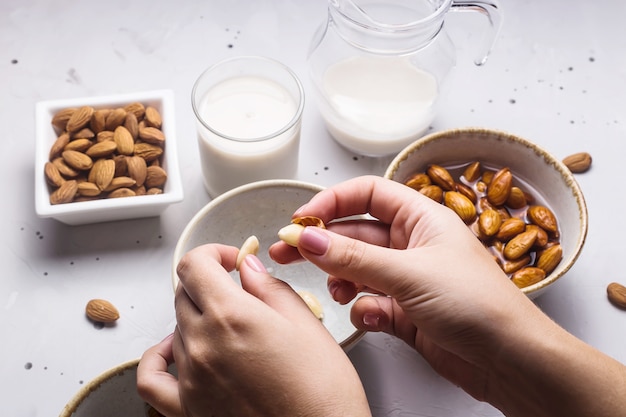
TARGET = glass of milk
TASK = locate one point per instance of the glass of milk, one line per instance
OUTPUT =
(248, 111)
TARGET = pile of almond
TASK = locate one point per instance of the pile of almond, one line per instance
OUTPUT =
(522, 235)
(106, 153)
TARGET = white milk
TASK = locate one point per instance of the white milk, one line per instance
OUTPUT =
(377, 105)
(247, 108)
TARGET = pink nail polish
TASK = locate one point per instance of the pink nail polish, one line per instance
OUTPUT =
(255, 263)
(314, 240)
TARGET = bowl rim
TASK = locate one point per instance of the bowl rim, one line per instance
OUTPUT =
(559, 166)
(186, 233)
(346, 344)
(91, 386)
(174, 193)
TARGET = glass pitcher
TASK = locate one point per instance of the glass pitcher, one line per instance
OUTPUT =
(378, 66)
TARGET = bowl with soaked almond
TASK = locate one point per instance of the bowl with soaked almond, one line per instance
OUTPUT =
(522, 203)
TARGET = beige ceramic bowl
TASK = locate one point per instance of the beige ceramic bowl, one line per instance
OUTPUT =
(112, 393)
(261, 209)
(534, 166)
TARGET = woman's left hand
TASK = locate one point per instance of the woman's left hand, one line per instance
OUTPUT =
(248, 350)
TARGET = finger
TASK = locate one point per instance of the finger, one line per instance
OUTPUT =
(384, 199)
(204, 270)
(155, 384)
(344, 291)
(369, 231)
(356, 261)
(382, 314)
(274, 292)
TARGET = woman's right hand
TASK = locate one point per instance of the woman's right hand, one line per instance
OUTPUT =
(446, 295)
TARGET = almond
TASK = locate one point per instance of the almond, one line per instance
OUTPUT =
(155, 176)
(79, 119)
(104, 136)
(418, 181)
(153, 117)
(434, 192)
(64, 168)
(124, 141)
(461, 205)
(543, 217)
(250, 247)
(53, 176)
(65, 193)
(102, 173)
(617, 294)
(510, 227)
(132, 125)
(80, 145)
(59, 145)
(115, 119)
(137, 169)
(472, 172)
(77, 160)
(137, 108)
(520, 245)
(88, 189)
(440, 176)
(101, 149)
(154, 191)
(120, 182)
(510, 267)
(489, 222)
(578, 162)
(499, 188)
(122, 192)
(148, 151)
(101, 311)
(98, 120)
(152, 135)
(528, 276)
(550, 258)
(60, 119)
(517, 198)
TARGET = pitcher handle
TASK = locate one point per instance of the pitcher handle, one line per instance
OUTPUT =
(491, 10)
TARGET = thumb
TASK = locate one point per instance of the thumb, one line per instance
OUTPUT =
(272, 291)
(353, 260)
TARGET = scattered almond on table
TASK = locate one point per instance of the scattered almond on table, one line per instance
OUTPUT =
(106, 153)
(617, 294)
(101, 311)
(578, 163)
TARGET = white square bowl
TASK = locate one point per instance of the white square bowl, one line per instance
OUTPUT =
(104, 210)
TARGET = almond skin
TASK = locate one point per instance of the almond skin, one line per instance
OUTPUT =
(617, 294)
(461, 205)
(578, 163)
(101, 311)
(79, 119)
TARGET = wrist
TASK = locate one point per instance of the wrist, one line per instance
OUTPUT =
(542, 370)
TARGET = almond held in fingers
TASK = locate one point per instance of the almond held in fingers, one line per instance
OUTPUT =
(313, 303)
(249, 247)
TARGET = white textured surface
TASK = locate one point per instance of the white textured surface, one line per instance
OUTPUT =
(557, 76)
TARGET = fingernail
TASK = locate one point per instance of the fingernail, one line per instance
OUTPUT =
(255, 263)
(371, 320)
(333, 286)
(314, 240)
(297, 212)
(169, 336)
